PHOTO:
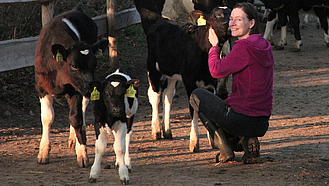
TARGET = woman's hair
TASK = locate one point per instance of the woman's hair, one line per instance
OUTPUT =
(251, 12)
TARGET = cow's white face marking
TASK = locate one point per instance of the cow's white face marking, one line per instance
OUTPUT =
(119, 73)
(84, 52)
(115, 84)
(72, 27)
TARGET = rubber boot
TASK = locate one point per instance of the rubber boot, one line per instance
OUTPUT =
(251, 149)
(220, 141)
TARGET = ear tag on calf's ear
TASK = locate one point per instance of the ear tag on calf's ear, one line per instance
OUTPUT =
(95, 95)
(59, 56)
(201, 21)
(131, 92)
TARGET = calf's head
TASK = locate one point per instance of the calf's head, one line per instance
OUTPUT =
(218, 19)
(76, 65)
(113, 93)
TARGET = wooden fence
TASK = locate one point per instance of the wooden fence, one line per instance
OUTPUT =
(20, 53)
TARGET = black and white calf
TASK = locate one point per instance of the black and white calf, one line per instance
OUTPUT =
(64, 65)
(179, 51)
(115, 106)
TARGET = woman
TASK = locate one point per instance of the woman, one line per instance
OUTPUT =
(245, 113)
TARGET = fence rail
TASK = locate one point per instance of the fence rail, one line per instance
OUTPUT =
(20, 53)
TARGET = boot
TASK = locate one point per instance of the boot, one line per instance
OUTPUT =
(251, 149)
(218, 136)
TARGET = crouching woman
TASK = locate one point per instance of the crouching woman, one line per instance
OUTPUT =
(236, 123)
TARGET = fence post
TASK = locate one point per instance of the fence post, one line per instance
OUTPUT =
(47, 12)
(111, 27)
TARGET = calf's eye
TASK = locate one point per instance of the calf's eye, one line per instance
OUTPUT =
(74, 66)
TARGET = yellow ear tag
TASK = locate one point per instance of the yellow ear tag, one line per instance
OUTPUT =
(99, 53)
(131, 92)
(201, 21)
(95, 95)
(59, 56)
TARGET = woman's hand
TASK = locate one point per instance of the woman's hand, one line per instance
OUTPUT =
(213, 39)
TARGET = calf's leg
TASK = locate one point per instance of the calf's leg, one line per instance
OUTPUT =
(76, 120)
(72, 137)
(127, 155)
(120, 131)
(100, 147)
(168, 95)
(154, 99)
(194, 134)
(47, 118)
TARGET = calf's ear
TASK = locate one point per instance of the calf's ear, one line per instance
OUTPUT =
(59, 52)
(100, 46)
(135, 82)
(196, 14)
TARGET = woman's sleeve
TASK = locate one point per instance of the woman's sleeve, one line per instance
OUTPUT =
(235, 61)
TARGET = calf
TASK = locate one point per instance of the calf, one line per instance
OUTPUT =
(284, 9)
(64, 65)
(115, 108)
(179, 51)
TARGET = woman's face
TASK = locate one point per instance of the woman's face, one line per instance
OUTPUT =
(239, 24)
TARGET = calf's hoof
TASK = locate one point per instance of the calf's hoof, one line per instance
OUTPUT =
(92, 180)
(295, 50)
(167, 134)
(194, 148)
(43, 160)
(278, 47)
(223, 158)
(156, 136)
(83, 162)
(125, 182)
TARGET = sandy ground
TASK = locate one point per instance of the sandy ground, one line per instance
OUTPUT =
(294, 151)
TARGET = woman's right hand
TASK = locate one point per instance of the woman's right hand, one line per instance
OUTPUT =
(213, 39)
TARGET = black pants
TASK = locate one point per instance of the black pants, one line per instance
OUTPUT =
(224, 117)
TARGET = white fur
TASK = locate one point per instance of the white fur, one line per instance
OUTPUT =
(283, 38)
(131, 111)
(326, 37)
(127, 155)
(128, 78)
(47, 118)
(115, 84)
(84, 52)
(72, 27)
(168, 95)
(268, 33)
(154, 99)
(194, 134)
(100, 147)
(119, 130)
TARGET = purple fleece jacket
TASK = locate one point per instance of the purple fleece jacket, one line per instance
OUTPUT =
(251, 64)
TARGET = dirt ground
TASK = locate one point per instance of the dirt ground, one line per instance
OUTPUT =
(294, 151)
